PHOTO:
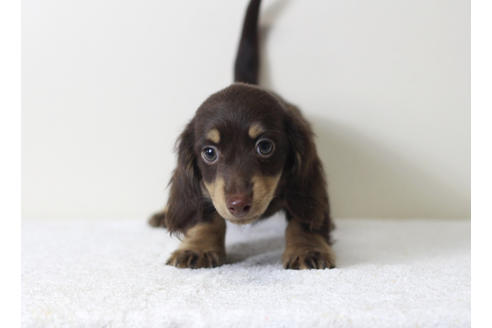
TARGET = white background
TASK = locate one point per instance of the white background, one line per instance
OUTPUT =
(108, 85)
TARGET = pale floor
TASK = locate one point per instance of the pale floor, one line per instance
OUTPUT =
(390, 273)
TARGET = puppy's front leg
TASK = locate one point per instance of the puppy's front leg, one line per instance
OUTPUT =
(202, 246)
(305, 249)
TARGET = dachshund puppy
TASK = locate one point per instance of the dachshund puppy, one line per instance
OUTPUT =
(245, 155)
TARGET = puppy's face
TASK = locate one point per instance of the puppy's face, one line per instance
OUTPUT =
(240, 148)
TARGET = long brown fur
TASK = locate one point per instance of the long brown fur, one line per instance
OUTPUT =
(233, 123)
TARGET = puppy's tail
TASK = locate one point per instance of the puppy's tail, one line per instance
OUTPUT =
(247, 59)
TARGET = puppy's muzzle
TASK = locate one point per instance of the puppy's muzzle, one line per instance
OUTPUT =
(239, 205)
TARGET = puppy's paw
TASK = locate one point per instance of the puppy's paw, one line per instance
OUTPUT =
(187, 258)
(308, 259)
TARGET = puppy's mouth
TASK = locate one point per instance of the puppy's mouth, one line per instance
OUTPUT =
(243, 220)
(242, 209)
(249, 214)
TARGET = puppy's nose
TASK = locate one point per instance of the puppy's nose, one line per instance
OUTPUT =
(239, 204)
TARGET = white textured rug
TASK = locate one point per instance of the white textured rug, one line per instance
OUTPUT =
(390, 273)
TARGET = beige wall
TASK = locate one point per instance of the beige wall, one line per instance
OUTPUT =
(108, 85)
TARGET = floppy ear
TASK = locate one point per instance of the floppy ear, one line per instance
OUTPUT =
(185, 203)
(306, 195)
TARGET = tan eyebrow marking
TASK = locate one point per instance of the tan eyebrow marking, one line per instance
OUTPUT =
(255, 130)
(214, 135)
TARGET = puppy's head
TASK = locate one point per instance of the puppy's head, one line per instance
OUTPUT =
(240, 149)
(243, 148)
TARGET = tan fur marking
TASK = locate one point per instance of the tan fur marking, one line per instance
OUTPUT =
(214, 136)
(206, 236)
(300, 244)
(216, 192)
(263, 191)
(255, 130)
(203, 246)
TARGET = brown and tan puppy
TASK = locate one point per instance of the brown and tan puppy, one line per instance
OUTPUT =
(245, 155)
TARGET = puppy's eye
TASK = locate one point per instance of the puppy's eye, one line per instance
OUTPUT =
(265, 147)
(210, 154)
